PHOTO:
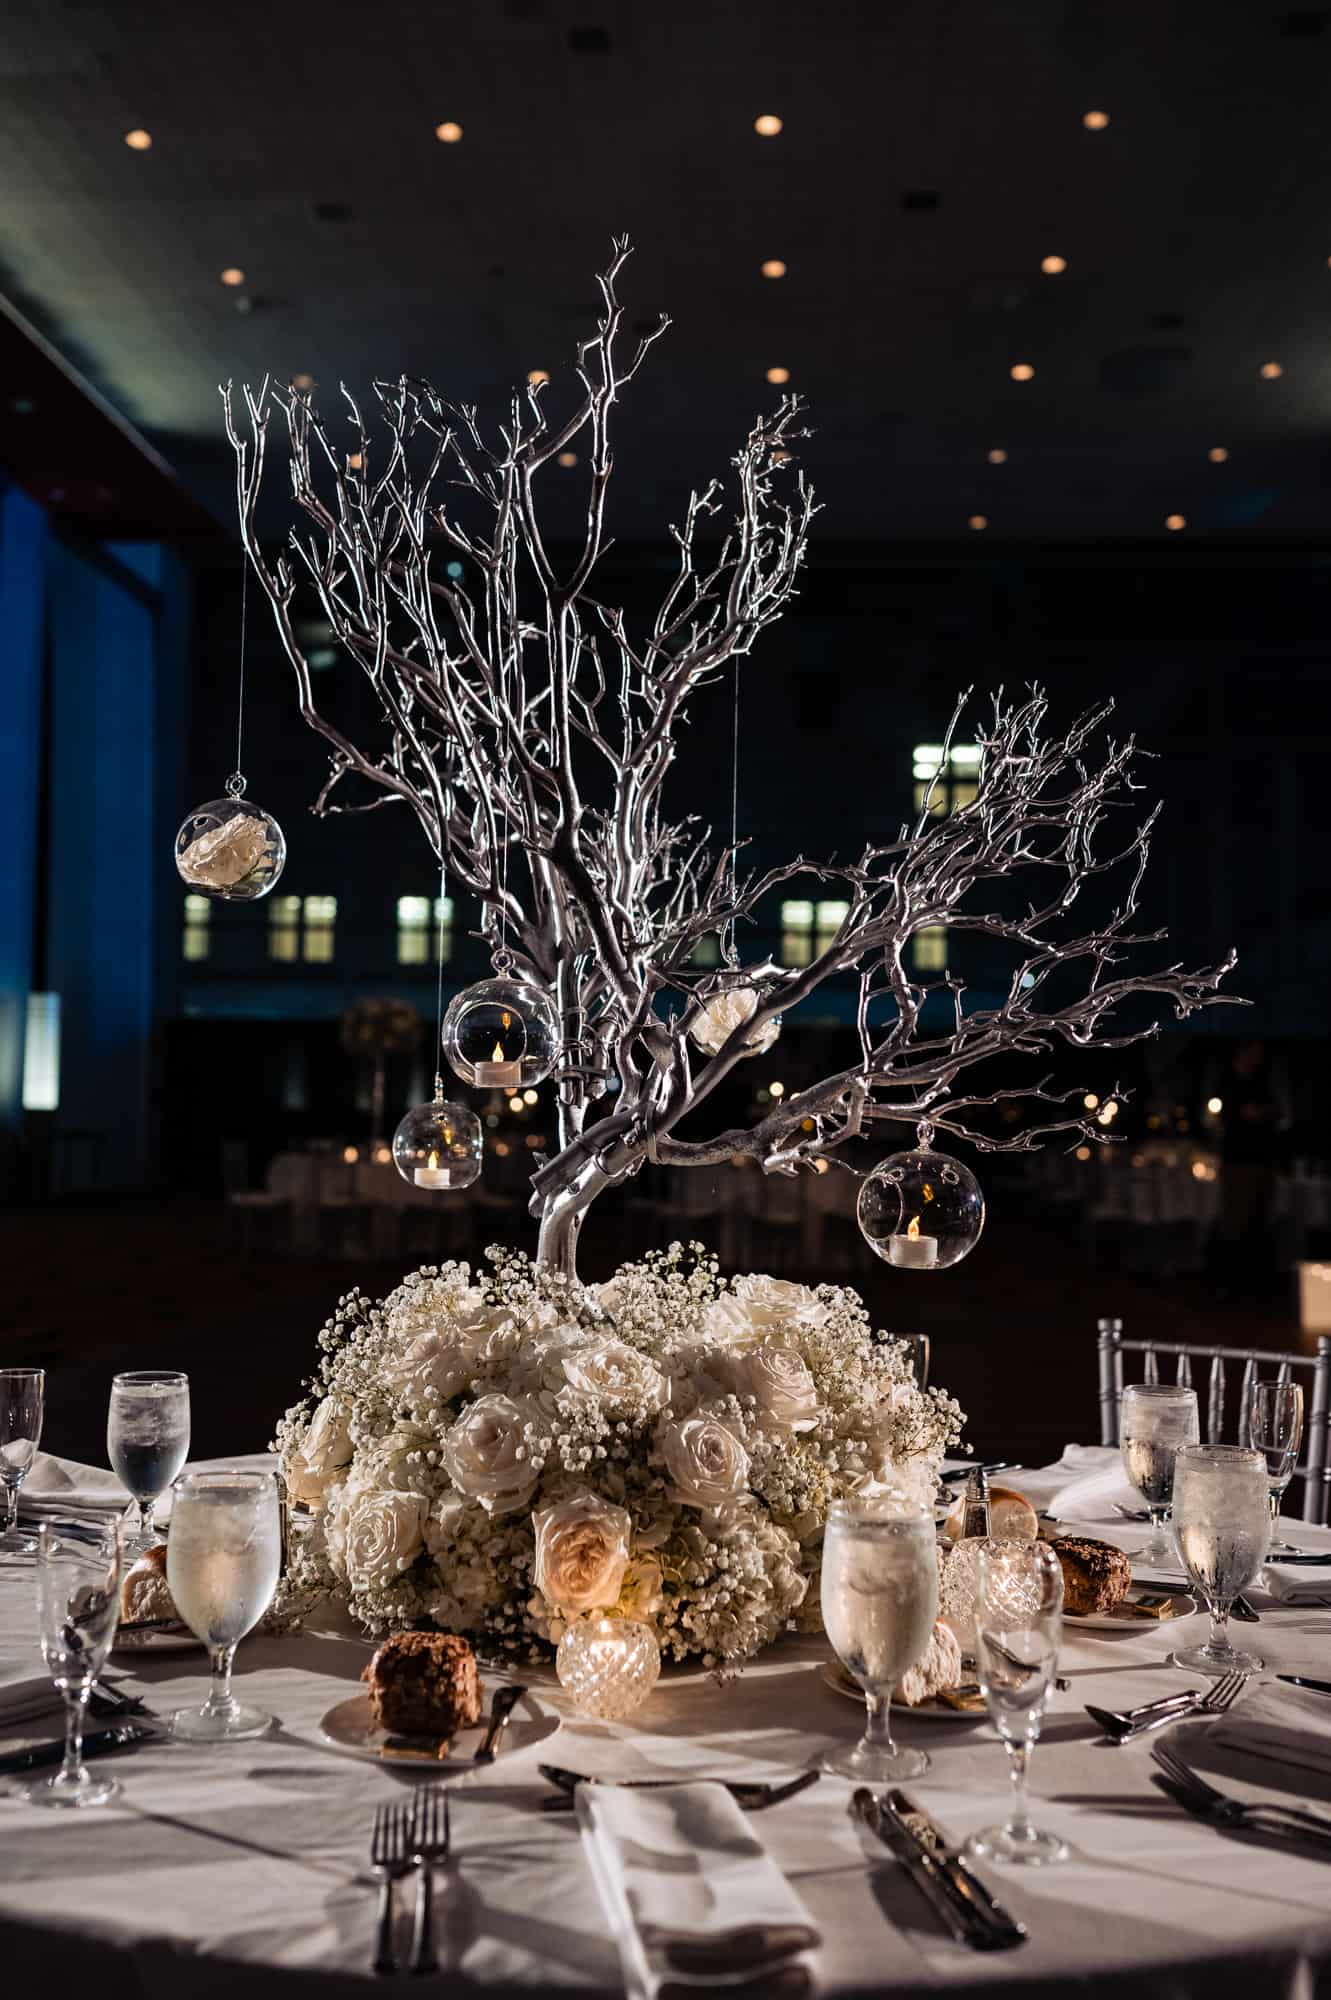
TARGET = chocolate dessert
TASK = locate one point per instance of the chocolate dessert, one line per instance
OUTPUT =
(424, 1684)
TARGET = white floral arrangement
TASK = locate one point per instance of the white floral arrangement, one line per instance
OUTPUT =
(500, 1454)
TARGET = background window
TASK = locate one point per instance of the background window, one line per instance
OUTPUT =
(414, 944)
(707, 951)
(196, 941)
(302, 927)
(954, 778)
(929, 948)
(809, 928)
(320, 919)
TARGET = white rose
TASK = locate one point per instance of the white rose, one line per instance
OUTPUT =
(706, 1463)
(325, 1449)
(436, 1367)
(582, 1552)
(640, 1592)
(380, 1537)
(617, 1376)
(610, 1295)
(718, 1020)
(226, 855)
(485, 1455)
(781, 1385)
(776, 1302)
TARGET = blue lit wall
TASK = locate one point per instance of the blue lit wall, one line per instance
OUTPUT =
(22, 570)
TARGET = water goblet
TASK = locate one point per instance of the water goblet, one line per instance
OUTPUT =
(1018, 1625)
(222, 1560)
(22, 1396)
(1275, 1428)
(147, 1440)
(879, 1601)
(1222, 1523)
(78, 1606)
(1154, 1420)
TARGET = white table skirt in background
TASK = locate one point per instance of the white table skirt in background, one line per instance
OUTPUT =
(249, 1861)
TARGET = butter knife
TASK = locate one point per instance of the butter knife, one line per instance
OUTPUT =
(97, 1744)
(502, 1704)
(962, 1877)
(922, 1869)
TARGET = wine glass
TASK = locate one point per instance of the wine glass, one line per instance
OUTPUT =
(1275, 1428)
(1018, 1625)
(1222, 1523)
(22, 1396)
(147, 1439)
(1154, 1420)
(78, 1606)
(222, 1559)
(879, 1599)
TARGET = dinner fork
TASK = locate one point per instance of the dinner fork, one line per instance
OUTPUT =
(430, 1836)
(1197, 1796)
(391, 1860)
(1122, 1728)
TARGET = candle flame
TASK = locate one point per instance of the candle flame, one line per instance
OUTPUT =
(498, 1055)
(434, 1162)
(448, 1135)
(913, 1229)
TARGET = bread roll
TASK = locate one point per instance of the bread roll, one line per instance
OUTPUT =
(144, 1592)
(940, 1668)
(1096, 1575)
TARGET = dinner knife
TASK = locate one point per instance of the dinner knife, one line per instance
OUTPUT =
(922, 1869)
(963, 1878)
(502, 1704)
(98, 1744)
(1302, 1681)
(983, 1932)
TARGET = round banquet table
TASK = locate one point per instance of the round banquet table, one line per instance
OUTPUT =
(249, 1862)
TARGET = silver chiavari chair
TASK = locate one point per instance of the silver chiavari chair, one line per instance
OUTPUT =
(1315, 1471)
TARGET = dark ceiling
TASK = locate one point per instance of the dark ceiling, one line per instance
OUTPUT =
(933, 152)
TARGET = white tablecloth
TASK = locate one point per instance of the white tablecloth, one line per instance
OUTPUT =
(249, 1861)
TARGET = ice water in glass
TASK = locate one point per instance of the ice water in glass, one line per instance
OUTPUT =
(147, 1439)
(879, 1602)
(1018, 1628)
(1222, 1523)
(222, 1561)
(78, 1606)
(22, 1400)
(1275, 1428)
(1154, 1420)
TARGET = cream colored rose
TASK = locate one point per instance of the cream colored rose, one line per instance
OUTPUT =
(640, 1592)
(436, 1367)
(485, 1455)
(582, 1552)
(705, 1462)
(617, 1376)
(226, 855)
(779, 1381)
(324, 1451)
(718, 1020)
(775, 1302)
(380, 1537)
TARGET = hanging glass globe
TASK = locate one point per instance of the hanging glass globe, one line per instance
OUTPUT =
(230, 849)
(439, 1145)
(921, 1211)
(502, 1034)
(728, 1010)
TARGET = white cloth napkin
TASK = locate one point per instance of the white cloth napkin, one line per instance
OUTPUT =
(1085, 1485)
(1295, 1584)
(694, 1901)
(1286, 1724)
(26, 1689)
(58, 1486)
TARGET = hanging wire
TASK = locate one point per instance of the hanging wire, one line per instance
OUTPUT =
(440, 916)
(728, 951)
(501, 957)
(235, 784)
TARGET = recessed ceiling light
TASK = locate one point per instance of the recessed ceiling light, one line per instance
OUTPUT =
(568, 458)
(449, 132)
(1270, 371)
(1175, 521)
(1095, 121)
(767, 126)
(998, 456)
(233, 275)
(1023, 372)
(978, 521)
(302, 381)
(537, 375)
(1217, 454)
(778, 375)
(1051, 266)
(774, 268)
(138, 140)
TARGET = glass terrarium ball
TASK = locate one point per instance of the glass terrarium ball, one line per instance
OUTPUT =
(729, 1010)
(439, 1146)
(608, 1665)
(231, 850)
(921, 1211)
(501, 1034)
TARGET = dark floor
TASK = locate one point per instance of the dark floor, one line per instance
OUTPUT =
(89, 1290)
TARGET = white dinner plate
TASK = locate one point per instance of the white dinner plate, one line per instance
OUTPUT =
(934, 1710)
(350, 1726)
(154, 1643)
(1119, 1621)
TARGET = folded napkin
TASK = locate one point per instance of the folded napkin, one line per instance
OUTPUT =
(1285, 1724)
(1085, 1485)
(26, 1689)
(58, 1486)
(691, 1894)
(1294, 1584)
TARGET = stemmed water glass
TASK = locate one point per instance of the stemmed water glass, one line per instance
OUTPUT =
(22, 1396)
(1018, 1626)
(1154, 1420)
(147, 1439)
(78, 1605)
(1222, 1523)
(879, 1601)
(222, 1560)
(1275, 1428)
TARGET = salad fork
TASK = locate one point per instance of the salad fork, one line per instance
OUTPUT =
(430, 1838)
(1196, 1795)
(391, 1860)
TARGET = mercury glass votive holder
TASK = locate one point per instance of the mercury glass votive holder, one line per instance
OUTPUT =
(608, 1665)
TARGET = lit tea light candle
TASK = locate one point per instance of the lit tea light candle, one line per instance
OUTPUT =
(911, 1251)
(498, 1073)
(608, 1665)
(433, 1175)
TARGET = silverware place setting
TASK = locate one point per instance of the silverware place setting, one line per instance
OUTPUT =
(1125, 1725)
(948, 1883)
(749, 1795)
(1204, 1801)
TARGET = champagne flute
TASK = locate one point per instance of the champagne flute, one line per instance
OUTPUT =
(1018, 1625)
(22, 1397)
(78, 1607)
(1222, 1522)
(1154, 1420)
(147, 1439)
(222, 1560)
(879, 1600)
(1275, 1428)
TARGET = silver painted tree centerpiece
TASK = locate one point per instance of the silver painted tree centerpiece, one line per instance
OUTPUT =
(531, 732)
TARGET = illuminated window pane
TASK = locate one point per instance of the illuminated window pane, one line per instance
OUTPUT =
(413, 917)
(796, 933)
(195, 941)
(934, 795)
(829, 919)
(963, 791)
(707, 951)
(443, 926)
(930, 948)
(965, 756)
(320, 920)
(284, 929)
